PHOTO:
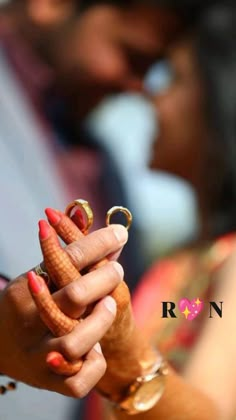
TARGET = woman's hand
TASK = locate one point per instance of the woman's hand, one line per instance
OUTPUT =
(26, 341)
(127, 354)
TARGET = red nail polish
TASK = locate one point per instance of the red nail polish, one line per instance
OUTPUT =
(54, 359)
(78, 219)
(44, 229)
(33, 282)
(53, 216)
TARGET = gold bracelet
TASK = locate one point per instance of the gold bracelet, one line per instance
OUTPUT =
(146, 390)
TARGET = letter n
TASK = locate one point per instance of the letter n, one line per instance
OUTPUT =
(216, 308)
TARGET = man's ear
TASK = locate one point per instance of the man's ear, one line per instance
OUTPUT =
(49, 12)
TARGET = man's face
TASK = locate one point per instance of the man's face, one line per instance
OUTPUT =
(104, 49)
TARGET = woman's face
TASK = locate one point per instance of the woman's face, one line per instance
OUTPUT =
(182, 131)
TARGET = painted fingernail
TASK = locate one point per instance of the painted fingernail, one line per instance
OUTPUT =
(110, 304)
(34, 283)
(54, 359)
(98, 348)
(121, 233)
(78, 219)
(53, 216)
(44, 229)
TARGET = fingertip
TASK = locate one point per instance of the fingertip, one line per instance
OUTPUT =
(44, 229)
(118, 267)
(98, 348)
(61, 366)
(120, 232)
(34, 282)
(53, 216)
(110, 304)
(54, 359)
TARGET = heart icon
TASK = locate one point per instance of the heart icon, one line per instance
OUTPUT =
(190, 309)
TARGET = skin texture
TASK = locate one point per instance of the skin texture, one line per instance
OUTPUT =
(181, 147)
(122, 337)
(187, 403)
(122, 354)
(184, 131)
(196, 397)
(32, 341)
(51, 27)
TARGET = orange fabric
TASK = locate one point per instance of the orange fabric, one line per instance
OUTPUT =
(186, 274)
(190, 274)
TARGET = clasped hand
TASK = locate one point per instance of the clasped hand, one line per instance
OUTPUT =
(27, 341)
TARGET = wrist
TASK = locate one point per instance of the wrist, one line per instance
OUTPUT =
(123, 369)
(124, 390)
(145, 390)
(128, 356)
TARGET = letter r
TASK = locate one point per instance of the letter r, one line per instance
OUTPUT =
(168, 310)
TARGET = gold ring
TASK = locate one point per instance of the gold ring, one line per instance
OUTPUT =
(86, 210)
(40, 272)
(119, 209)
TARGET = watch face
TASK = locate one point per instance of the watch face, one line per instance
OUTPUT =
(149, 394)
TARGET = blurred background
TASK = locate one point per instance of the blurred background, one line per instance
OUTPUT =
(163, 205)
(125, 125)
(84, 87)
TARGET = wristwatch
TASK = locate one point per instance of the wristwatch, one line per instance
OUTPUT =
(146, 390)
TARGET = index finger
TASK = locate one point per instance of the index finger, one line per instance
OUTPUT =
(103, 244)
(97, 246)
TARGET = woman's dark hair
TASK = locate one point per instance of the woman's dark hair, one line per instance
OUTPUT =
(214, 25)
(216, 49)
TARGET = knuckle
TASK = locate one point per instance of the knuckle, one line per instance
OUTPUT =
(67, 347)
(10, 292)
(13, 291)
(71, 294)
(82, 291)
(79, 388)
(103, 239)
(76, 293)
(76, 254)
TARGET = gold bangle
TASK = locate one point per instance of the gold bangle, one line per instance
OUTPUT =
(145, 392)
(42, 273)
